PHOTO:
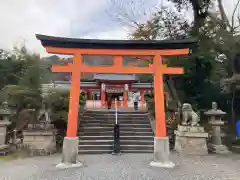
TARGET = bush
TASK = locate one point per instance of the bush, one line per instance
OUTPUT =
(58, 102)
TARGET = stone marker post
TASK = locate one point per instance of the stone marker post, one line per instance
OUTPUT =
(215, 120)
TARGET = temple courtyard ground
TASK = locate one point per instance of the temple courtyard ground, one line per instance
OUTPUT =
(124, 167)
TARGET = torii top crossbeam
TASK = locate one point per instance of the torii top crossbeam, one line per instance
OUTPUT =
(72, 43)
(117, 49)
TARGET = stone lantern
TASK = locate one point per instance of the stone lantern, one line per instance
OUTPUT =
(4, 122)
(215, 120)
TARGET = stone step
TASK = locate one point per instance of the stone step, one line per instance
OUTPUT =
(133, 113)
(102, 116)
(136, 147)
(135, 138)
(94, 151)
(125, 121)
(125, 127)
(110, 147)
(114, 117)
(122, 133)
(110, 142)
(107, 129)
(95, 147)
(112, 125)
(110, 151)
(114, 113)
(96, 132)
(137, 151)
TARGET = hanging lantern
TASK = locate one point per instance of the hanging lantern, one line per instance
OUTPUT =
(103, 87)
(126, 87)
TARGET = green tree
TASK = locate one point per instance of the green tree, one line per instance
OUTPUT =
(200, 11)
(164, 24)
(10, 69)
(24, 92)
(58, 102)
(199, 68)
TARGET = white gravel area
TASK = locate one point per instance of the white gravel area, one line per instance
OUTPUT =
(124, 167)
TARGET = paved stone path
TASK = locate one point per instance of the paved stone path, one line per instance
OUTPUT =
(125, 167)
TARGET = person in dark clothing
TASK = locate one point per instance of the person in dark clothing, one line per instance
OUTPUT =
(109, 101)
(135, 101)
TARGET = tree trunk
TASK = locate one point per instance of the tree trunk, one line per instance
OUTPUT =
(223, 14)
(198, 19)
(173, 91)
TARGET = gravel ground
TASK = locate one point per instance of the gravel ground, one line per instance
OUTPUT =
(124, 167)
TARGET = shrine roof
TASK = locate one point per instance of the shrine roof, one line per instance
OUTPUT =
(115, 77)
(52, 41)
(90, 84)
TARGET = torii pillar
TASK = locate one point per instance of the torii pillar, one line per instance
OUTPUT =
(70, 144)
(161, 141)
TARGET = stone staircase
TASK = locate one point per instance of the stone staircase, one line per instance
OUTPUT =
(96, 132)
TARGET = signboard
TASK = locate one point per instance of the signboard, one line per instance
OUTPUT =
(114, 90)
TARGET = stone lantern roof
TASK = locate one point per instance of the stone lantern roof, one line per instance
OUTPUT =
(214, 111)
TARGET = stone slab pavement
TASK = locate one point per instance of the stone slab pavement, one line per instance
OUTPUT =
(124, 167)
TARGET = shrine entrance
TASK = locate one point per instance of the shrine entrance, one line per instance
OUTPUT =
(117, 49)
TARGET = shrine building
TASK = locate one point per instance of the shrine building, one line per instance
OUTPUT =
(121, 87)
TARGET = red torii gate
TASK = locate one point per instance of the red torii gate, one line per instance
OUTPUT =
(117, 49)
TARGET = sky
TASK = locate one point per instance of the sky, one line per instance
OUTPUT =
(21, 19)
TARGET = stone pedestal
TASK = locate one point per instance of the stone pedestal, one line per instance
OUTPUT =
(161, 153)
(40, 142)
(216, 145)
(69, 153)
(219, 149)
(3, 132)
(191, 140)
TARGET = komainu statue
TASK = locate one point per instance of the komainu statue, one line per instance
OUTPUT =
(190, 137)
(189, 117)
